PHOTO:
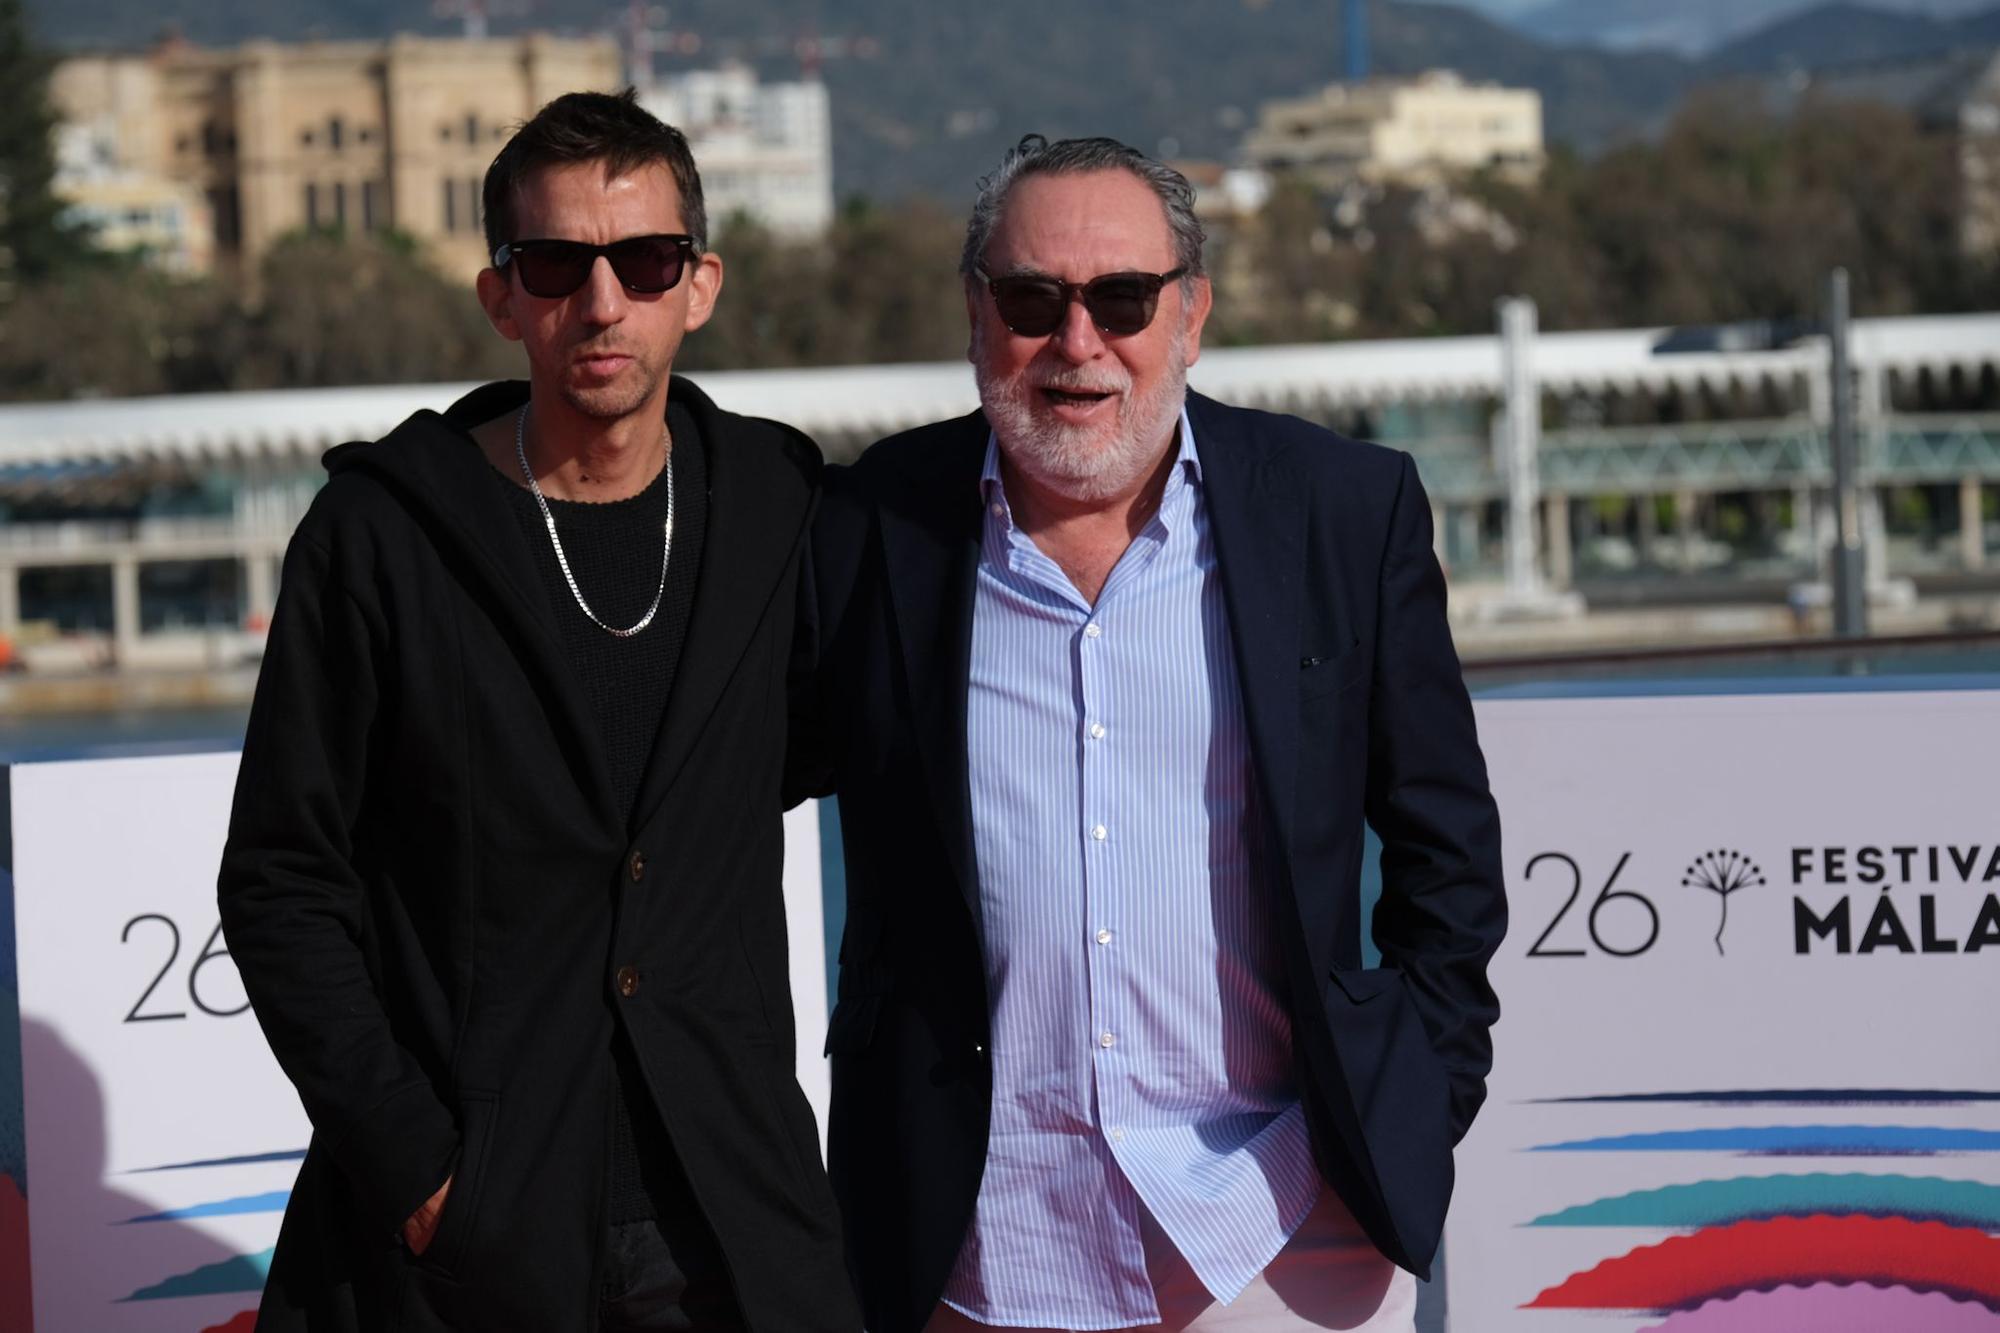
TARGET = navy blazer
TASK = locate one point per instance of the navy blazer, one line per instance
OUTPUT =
(1357, 711)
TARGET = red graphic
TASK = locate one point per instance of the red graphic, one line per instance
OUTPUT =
(15, 1313)
(1760, 1255)
(243, 1323)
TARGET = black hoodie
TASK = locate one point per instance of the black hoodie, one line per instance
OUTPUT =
(440, 913)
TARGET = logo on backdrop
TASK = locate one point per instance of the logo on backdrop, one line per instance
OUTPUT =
(1845, 901)
(1722, 873)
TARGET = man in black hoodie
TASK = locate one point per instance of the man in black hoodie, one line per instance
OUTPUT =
(503, 872)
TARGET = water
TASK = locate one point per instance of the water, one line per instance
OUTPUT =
(39, 737)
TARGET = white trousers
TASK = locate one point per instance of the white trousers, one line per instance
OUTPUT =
(1327, 1277)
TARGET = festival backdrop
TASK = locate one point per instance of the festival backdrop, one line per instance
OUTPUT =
(1747, 1074)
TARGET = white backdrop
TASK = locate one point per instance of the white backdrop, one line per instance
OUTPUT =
(1806, 1111)
(149, 1091)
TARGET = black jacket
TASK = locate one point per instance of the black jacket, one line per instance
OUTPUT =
(1356, 711)
(433, 899)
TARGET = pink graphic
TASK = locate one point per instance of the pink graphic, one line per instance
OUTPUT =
(1682, 1272)
(1851, 1309)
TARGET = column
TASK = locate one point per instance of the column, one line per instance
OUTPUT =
(1647, 531)
(260, 588)
(125, 608)
(1971, 525)
(10, 602)
(1555, 526)
(1686, 530)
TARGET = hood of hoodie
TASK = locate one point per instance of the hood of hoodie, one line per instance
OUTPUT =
(433, 468)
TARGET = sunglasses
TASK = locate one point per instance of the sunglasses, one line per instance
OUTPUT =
(1118, 303)
(647, 264)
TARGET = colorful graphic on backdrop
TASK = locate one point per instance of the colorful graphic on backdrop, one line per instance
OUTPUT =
(1817, 1249)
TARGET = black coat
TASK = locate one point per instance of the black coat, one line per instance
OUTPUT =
(1356, 711)
(430, 894)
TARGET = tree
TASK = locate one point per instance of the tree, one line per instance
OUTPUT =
(367, 309)
(33, 241)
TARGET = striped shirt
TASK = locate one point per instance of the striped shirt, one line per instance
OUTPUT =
(1141, 1048)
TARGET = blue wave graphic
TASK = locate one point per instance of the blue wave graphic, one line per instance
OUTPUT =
(252, 1159)
(1795, 1141)
(243, 1273)
(1719, 1203)
(274, 1202)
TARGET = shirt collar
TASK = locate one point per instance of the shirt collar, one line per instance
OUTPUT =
(993, 493)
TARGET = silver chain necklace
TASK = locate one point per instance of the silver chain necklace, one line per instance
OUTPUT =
(521, 452)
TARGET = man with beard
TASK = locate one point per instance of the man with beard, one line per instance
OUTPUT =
(1109, 678)
(503, 874)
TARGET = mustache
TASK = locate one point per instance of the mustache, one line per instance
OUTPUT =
(1075, 382)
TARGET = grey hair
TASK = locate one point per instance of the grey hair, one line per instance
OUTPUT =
(1036, 156)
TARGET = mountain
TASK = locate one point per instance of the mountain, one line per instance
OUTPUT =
(1846, 34)
(1692, 27)
(941, 87)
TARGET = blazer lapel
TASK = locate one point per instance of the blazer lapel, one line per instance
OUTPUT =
(930, 551)
(1256, 504)
(756, 517)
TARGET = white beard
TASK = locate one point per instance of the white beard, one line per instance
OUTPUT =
(1092, 462)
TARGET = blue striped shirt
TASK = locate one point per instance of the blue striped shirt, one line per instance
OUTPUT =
(1141, 1048)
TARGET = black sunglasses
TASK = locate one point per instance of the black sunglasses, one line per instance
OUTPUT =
(1118, 303)
(648, 264)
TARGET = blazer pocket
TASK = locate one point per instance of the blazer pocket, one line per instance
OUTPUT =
(445, 1254)
(1320, 676)
(851, 1029)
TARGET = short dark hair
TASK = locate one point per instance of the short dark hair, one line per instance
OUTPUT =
(1036, 156)
(592, 127)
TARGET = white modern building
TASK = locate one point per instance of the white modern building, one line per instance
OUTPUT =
(764, 149)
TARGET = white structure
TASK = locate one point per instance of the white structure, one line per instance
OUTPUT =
(764, 149)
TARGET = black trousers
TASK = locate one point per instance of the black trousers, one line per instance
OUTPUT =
(666, 1277)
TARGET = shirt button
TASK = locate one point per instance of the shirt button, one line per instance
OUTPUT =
(626, 979)
(1097, 731)
(1118, 1136)
(1092, 630)
(1098, 833)
(1104, 937)
(1107, 1041)
(637, 866)
(999, 510)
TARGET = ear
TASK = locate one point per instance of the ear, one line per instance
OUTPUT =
(704, 286)
(1198, 307)
(496, 298)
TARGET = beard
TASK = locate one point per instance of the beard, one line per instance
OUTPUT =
(1096, 461)
(624, 393)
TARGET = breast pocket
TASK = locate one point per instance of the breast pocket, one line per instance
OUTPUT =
(1332, 672)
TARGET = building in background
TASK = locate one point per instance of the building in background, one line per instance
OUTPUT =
(1416, 131)
(765, 149)
(272, 138)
